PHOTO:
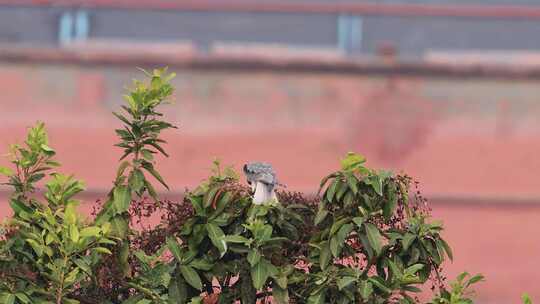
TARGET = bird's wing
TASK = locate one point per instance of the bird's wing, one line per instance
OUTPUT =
(266, 177)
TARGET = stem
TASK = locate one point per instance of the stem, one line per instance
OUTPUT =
(60, 290)
(248, 293)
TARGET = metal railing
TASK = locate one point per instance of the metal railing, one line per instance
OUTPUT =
(427, 10)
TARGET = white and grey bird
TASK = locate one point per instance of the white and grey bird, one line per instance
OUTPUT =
(262, 179)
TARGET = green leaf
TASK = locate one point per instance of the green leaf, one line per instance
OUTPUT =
(325, 254)
(119, 227)
(342, 189)
(9, 298)
(411, 288)
(177, 291)
(216, 235)
(391, 203)
(337, 241)
(375, 182)
(280, 295)
(324, 181)
(321, 215)
(260, 273)
(23, 298)
(317, 298)
(201, 264)
(150, 189)
(209, 197)
(74, 233)
(337, 225)
(35, 178)
(38, 249)
(6, 171)
(412, 270)
(345, 281)
(19, 206)
(447, 249)
(352, 161)
(84, 265)
(408, 239)
(359, 221)
(121, 199)
(221, 204)
(136, 180)
(366, 289)
(70, 214)
(237, 239)
(159, 148)
(122, 118)
(253, 257)
(335, 246)
(331, 190)
(174, 247)
(379, 283)
(526, 299)
(352, 181)
(48, 150)
(91, 232)
(475, 279)
(150, 168)
(191, 276)
(102, 250)
(374, 237)
(147, 154)
(50, 238)
(121, 168)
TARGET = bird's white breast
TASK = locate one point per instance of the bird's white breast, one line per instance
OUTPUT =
(263, 193)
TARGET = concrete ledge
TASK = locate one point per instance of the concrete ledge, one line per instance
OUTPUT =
(90, 196)
(190, 60)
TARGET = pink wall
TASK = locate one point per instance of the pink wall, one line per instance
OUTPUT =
(460, 138)
(472, 143)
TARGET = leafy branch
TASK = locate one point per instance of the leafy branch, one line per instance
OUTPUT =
(140, 141)
(32, 161)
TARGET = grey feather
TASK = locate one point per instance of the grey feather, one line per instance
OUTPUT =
(260, 172)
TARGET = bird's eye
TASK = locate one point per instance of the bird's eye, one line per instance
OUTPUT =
(249, 183)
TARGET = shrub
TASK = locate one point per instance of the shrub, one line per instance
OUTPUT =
(48, 250)
(367, 237)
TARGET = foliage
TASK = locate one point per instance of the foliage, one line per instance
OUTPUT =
(49, 250)
(32, 161)
(225, 238)
(459, 292)
(526, 299)
(373, 244)
(366, 237)
(140, 140)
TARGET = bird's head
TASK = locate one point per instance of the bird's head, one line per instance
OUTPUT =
(262, 179)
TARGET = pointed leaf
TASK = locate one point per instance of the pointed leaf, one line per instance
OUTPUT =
(374, 237)
(259, 274)
(408, 239)
(191, 276)
(121, 199)
(6, 171)
(253, 257)
(216, 235)
(345, 281)
(324, 256)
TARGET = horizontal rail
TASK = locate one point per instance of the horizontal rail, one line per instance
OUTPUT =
(90, 196)
(254, 63)
(281, 6)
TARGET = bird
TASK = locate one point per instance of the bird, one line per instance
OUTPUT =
(262, 179)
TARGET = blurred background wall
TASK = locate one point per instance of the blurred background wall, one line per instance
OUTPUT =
(445, 91)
